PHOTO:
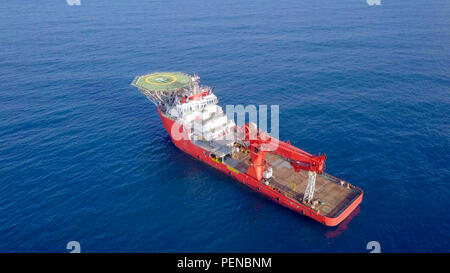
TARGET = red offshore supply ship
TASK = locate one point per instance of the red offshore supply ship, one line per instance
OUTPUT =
(276, 169)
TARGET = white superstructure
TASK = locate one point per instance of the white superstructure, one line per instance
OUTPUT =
(200, 114)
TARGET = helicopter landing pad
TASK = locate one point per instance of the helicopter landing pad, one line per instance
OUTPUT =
(162, 81)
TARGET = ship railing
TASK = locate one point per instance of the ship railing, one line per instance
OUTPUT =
(287, 191)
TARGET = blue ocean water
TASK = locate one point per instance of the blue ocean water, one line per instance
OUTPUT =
(84, 157)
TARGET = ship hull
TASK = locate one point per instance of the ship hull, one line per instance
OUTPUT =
(181, 141)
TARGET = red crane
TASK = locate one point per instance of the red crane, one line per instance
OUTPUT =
(261, 143)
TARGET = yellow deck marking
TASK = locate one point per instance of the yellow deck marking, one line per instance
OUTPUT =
(232, 169)
(216, 160)
(148, 79)
(293, 185)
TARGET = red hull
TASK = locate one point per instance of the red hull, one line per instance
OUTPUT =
(187, 146)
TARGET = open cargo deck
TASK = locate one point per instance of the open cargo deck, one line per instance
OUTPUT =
(284, 173)
(331, 197)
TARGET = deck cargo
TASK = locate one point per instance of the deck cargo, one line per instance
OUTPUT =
(286, 174)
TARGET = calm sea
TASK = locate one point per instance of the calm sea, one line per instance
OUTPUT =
(84, 157)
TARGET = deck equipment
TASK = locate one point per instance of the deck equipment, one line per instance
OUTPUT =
(278, 170)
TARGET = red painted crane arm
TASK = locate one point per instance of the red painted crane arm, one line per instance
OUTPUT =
(261, 143)
(299, 159)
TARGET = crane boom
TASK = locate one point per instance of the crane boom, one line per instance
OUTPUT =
(261, 143)
(298, 158)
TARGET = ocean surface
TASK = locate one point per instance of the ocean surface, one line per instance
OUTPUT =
(84, 156)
